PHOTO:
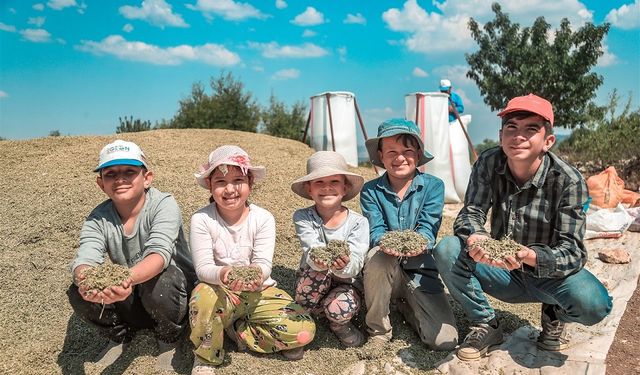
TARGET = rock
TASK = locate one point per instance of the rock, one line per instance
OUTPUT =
(615, 256)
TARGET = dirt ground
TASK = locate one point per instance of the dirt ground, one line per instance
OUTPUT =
(47, 187)
(623, 357)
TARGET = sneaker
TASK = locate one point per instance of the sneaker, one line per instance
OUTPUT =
(348, 334)
(202, 367)
(111, 353)
(294, 354)
(478, 341)
(554, 335)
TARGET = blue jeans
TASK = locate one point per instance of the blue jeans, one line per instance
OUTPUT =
(579, 298)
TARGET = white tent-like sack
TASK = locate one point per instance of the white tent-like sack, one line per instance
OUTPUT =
(446, 142)
(334, 110)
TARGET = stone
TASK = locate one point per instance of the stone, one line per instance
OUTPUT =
(615, 256)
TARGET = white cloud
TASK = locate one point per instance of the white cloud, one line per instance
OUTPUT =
(9, 28)
(36, 21)
(355, 18)
(444, 31)
(116, 45)
(310, 17)
(308, 33)
(38, 6)
(607, 58)
(36, 35)
(274, 50)
(227, 9)
(61, 4)
(127, 28)
(12, 11)
(457, 74)
(626, 17)
(281, 4)
(342, 52)
(285, 74)
(155, 12)
(3, 94)
(417, 72)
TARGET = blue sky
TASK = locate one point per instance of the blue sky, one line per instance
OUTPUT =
(77, 65)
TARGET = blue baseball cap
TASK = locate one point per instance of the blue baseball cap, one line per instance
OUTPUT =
(392, 127)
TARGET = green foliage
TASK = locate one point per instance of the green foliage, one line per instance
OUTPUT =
(485, 145)
(281, 123)
(607, 137)
(129, 125)
(54, 133)
(228, 107)
(512, 61)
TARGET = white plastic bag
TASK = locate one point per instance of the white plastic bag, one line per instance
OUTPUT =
(608, 222)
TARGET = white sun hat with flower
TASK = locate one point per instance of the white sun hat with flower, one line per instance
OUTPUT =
(228, 155)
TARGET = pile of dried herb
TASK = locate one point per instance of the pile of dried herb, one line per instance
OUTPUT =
(246, 274)
(404, 241)
(330, 253)
(499, 249)
(104, 276)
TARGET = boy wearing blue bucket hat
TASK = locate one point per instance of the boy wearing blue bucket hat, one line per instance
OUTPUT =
(404, 198)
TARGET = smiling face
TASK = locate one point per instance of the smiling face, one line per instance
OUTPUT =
(124, 183)
(399, 155)
(230, 191)
(524, 138)
(327, 191)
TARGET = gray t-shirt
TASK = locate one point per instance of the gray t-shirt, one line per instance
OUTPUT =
(158, 229)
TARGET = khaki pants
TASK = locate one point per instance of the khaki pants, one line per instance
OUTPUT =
(266, 321)
(430, 315)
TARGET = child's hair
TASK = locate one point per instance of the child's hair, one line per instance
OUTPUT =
(548, 128)
(249, 176)
(407, 140)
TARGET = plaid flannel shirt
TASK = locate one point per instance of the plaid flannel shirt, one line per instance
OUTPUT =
(545, 214)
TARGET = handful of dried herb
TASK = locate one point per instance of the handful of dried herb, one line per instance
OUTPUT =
(404, 241)
(330, 253)
(499, 249)
(246, 274)
(104, 276)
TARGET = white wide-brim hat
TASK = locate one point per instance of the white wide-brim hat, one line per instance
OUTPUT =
(229, 155)
(328, 163)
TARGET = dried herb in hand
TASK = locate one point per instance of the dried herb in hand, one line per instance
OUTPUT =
(104, 276)
(497, 250)
(404, 241)
(330, 253)
(246, 274)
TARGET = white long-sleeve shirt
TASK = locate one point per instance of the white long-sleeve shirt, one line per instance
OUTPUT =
(313, 233)
(215, 244)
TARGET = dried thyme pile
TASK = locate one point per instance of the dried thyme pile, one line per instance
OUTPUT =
(330, 253)
(104, 276)
(499, 249)
(404, 241)
(246, 274)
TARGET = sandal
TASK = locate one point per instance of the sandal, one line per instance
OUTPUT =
(348, 334)
(294, 354)
(202, 367)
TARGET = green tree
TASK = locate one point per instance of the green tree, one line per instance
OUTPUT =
(54, 133)
(129, 125)
(512, 61)
(228, 107)
(284, 124)
(485, 145)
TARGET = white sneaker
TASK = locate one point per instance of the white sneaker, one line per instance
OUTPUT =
(202, 367)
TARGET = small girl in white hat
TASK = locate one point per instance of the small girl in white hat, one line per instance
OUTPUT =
(329, 289)
(232, 232)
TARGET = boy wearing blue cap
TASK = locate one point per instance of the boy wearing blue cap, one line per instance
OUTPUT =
(141, 228)
(404, 198)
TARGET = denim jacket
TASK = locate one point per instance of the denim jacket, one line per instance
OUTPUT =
(419, 210)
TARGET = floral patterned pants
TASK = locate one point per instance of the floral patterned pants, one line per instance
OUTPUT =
(320, 294)
(266, 321)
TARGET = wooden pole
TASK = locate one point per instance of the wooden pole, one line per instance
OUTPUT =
(306, 128)
(333, 140)
(455, 111)
(364, 131)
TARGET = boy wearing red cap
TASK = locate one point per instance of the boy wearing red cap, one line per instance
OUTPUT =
(536, 199)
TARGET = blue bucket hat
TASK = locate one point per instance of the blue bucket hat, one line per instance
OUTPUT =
(390, 128)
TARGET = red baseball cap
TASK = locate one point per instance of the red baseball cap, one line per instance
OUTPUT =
(530, 103)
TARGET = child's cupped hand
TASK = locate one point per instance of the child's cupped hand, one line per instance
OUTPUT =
(340, 262)
(241, 285)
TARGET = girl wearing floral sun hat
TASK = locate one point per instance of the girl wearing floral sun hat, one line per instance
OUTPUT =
(323, 288)
(227, 233)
